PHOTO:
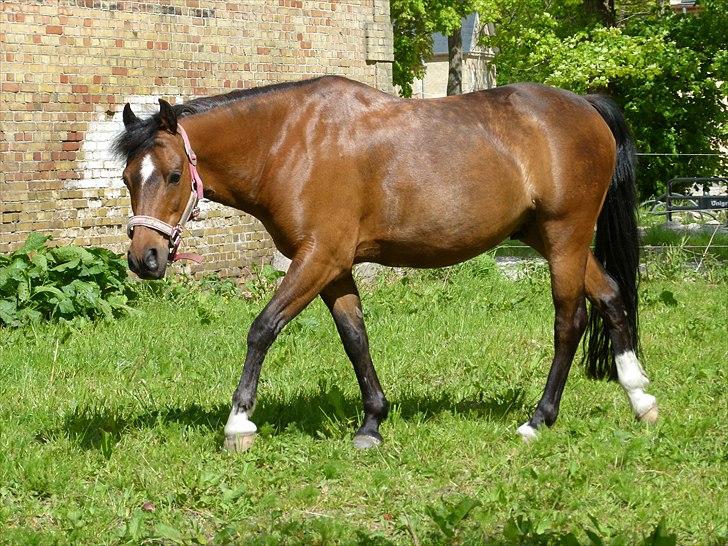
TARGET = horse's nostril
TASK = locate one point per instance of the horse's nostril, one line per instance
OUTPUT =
(131, 261)
(150, 259)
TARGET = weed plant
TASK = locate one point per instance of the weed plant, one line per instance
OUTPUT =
(66, 283)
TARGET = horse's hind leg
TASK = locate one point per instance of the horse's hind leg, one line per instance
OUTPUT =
(343, 301)
(567, 264)
(604, 295)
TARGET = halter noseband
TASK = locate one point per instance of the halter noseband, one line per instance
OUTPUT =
(174, 233)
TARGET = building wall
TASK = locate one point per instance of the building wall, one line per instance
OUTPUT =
(67, 67)
(478, 73)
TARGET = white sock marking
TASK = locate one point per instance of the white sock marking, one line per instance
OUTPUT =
(633, 380)
(238, 423)
(147, 168)
(527, 432)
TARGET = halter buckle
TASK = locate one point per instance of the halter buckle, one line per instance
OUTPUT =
(175, 239)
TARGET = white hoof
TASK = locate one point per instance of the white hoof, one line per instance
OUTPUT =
(650, 416)
(527, 432)
(239, 432)
(642, 403)
(237, 443)
(364, 441)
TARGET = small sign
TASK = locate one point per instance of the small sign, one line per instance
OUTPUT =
(708, 202)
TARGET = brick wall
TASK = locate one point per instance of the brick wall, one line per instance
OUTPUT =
(67, 67)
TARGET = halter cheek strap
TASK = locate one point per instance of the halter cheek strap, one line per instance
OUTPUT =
(191, 212)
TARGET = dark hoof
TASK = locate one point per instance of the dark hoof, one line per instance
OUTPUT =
(366, 441)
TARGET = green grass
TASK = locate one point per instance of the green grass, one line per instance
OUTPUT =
(697, 244)
(113, 433)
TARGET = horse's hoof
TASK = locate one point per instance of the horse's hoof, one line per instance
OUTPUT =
(237, 443)
(650, 416)
(527, 432)
(365, 441)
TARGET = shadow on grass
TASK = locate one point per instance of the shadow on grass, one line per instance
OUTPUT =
(102, 427)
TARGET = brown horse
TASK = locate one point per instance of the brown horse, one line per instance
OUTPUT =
(340, 173)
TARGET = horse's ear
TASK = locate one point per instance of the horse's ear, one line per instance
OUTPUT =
(130, 117)
(167, 116)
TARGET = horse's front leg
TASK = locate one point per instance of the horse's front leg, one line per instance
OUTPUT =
(306, 277)
(342, 299)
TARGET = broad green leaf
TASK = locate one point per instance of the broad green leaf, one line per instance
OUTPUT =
(40, 262)
(23, 292)
(28, 315)
(462, 509)
(70, 253)
(8, 312)
(49, 289)
(35, 241)
(167, 532)
(65, 266)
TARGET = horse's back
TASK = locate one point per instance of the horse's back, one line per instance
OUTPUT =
(450, 178)
(433, 182)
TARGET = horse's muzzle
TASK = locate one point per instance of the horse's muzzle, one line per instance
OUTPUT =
(151, 266)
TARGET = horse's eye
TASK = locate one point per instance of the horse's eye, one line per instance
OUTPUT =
(174, 178)
(125, 181)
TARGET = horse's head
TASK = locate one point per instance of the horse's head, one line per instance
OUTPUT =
(159, 178)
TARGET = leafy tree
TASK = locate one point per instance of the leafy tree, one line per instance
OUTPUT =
(665, 69)
(414, 22)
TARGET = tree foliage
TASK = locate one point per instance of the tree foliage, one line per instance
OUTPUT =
(666, 69)
(414, 22)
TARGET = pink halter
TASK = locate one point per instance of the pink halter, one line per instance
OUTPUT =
(191, 210)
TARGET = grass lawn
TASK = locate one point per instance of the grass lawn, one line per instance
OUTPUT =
(113, 433)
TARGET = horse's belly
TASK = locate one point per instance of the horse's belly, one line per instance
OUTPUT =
(418, 255)
(439, 244)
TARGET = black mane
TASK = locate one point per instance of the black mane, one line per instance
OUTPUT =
(140, 136)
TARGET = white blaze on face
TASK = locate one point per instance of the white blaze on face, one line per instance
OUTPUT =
(147, 168)
(633, 380)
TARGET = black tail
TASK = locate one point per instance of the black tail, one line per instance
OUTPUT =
(616, 244)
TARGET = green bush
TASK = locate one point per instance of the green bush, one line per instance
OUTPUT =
(65, 283)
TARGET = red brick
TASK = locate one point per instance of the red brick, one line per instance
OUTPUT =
(54, 29)
(10, 87)
(119, 71)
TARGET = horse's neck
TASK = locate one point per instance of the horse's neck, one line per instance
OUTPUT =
(232, 144)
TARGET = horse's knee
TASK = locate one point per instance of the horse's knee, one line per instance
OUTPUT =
(262, 333)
